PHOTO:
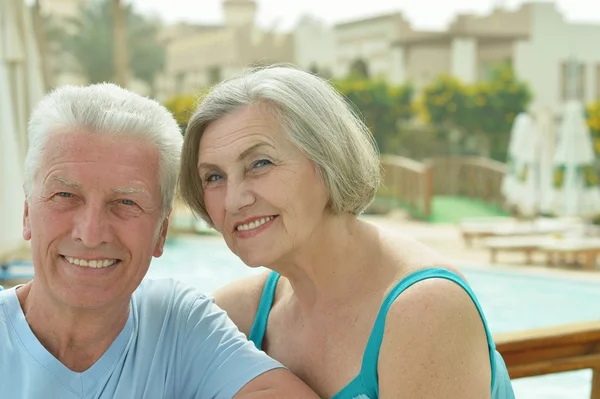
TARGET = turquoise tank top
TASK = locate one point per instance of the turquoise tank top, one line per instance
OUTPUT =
(365, 385)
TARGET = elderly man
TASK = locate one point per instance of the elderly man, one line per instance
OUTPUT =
(100, 179)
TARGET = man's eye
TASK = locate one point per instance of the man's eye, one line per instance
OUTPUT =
(127, 202)
(64, 194)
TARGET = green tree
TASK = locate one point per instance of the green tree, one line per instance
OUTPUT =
(497, 102)
(484, 110)
(593, 120)
(182, 107)
(446, 103)
(89, 39)
(380, 105)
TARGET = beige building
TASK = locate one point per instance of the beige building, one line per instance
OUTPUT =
(535, 39)
(198, 55)
(62, 9)
(314, 46)
(366, 46)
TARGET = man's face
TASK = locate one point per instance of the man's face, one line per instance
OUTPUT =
(95, 218)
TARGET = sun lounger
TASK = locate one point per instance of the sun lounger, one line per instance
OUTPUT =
(525, 244)
(587, 248)
(473, 229)
(16, 271)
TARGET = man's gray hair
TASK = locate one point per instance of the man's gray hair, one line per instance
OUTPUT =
(315, 117)
(106, 109)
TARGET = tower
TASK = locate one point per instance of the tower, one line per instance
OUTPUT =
(239, 13)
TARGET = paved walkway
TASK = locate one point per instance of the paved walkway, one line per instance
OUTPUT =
(447, 240)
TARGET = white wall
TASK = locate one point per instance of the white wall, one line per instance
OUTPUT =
(538, 61)
(314, 44)
(368, 41)
(397, 65)
(463, 61)
(425, 63)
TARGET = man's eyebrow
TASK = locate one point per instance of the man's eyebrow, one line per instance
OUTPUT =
(129, 190)
(66, 182)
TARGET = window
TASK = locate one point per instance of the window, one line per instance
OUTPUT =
(598, 82)
(572, 81)
(360, 69)
(180, 83)
(214, 75)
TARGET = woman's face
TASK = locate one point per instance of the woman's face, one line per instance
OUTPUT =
(262, 193)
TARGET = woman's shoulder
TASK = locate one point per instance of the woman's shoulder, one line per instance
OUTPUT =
(445, 334)
(436, 327)
(240, 299)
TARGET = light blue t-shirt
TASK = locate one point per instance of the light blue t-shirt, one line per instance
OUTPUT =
(176, 344)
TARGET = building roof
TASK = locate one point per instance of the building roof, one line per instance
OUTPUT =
(377, 18)
(432, 38)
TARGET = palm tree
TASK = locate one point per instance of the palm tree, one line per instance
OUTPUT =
(120, 43)
(91, 40)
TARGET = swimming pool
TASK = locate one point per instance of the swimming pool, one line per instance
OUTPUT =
(511, 302)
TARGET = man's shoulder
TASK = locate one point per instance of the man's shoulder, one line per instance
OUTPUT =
(9, 304)
(164, 287)
(167, 293)
(170, 302)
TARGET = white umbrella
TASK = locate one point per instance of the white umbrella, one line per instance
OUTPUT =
(517, 185)
(575, 190)
(544, 121)
(20, 88)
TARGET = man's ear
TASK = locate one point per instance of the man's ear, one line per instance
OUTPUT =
(162, 237)
(26, 223)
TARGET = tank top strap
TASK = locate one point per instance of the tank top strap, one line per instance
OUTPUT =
(259, 326)
(370, 358)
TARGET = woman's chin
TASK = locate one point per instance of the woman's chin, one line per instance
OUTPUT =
(254, 260)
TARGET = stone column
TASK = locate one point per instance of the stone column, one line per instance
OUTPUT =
(464, 59)
(397, 65)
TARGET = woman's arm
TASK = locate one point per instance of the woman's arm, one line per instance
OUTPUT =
(240, 300)
(434, 345)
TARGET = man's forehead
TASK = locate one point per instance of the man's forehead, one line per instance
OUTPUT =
(132, 187)
(85, 146)
(82, 137)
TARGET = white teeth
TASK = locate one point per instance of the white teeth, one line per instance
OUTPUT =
(254, 224)
(92, 263)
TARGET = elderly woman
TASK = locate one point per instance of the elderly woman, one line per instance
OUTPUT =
(277, 162)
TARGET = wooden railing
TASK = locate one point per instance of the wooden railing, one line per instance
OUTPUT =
(408, 182)
(474, 177)
(553, 350)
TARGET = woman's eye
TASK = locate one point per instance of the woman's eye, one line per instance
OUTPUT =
(212, 178)
(261, 163)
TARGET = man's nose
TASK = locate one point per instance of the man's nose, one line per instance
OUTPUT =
(91, 226)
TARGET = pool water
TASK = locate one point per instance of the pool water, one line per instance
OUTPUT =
(511, 302)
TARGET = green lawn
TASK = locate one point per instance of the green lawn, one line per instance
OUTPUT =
(448, 209)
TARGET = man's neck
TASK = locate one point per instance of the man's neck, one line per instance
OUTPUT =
(76, 337)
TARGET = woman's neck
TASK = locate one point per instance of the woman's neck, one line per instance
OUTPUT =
(340, 260)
